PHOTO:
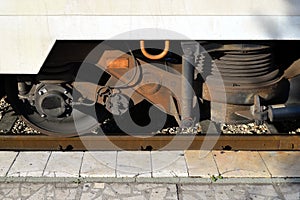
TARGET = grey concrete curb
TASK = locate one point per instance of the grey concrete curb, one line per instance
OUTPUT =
(171, 180)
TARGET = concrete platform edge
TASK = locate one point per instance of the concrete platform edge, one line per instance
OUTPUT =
(170, 180)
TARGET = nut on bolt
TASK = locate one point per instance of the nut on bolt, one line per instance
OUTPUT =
(42, 91)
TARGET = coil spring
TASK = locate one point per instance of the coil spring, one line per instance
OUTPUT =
(240, 64)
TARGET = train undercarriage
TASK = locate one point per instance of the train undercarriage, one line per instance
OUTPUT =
(147, 85)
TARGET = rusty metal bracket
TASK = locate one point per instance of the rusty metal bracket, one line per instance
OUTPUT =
(257, 111)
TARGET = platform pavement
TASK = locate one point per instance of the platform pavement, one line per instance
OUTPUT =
(203, 164)
(152, 191)
(150, 175)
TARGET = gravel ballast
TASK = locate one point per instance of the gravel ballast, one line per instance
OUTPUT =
(20, 127)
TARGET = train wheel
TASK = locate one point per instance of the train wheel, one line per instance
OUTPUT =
(48, 108)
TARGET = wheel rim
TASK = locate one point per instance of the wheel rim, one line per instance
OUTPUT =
(77, 123)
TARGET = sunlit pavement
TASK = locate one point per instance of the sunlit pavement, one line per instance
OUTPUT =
(150, 175)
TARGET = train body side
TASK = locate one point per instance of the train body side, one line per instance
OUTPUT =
(29, 29)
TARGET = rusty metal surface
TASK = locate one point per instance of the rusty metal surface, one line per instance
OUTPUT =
(154, 84)
(241, 72)
(245, 95)
(293, 70)
(223, 142)
(222, 111)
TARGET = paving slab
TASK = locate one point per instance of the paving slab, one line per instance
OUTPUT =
(240, 164)
(133, 191)
(228, 191)
(290, 191)
(29, 164)
(200, 163)
(99, 164)
(6, 160)
(139, 191)
(133, 164)
(282, 164)
(64, 164)
(168, 164)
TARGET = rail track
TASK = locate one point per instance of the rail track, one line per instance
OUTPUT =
(222, 142)
(15, 135)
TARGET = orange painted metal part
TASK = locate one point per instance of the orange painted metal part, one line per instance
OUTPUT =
(152, 83)
(121, 63)
(155, 57)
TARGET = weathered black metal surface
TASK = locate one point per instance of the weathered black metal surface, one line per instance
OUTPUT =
(8, 120)
(242, 72)
(285, 112)
(238, 73)
(188, 62)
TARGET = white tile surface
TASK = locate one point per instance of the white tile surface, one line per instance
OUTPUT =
(6, 159)
(133, 164)
(143, 164)
(240, 164)
(99, 164)
(200, 163)
(64, 164)
(29, 164)
(282, 164)
(168, 164)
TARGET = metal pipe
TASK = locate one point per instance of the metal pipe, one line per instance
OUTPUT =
(283, 112)
(188, 62)
(155, 57)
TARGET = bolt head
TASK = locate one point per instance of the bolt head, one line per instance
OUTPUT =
(42, 91)
(43, 115)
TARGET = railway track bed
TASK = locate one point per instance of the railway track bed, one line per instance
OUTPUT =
(16, 135)
(221, 142)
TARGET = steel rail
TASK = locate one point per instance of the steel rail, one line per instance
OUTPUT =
(134, 143)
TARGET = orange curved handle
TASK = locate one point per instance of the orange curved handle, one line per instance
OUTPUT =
(158, 56)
